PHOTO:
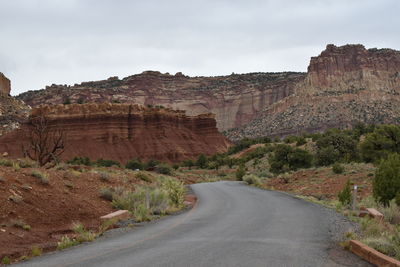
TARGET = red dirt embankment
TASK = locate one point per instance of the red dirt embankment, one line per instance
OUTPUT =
(122, 132)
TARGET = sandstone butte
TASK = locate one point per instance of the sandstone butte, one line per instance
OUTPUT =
(124, 131)
(343, 86)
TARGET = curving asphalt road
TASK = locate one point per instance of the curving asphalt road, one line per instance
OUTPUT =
(231, 225)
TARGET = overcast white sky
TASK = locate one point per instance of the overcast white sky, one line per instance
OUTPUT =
(70, 41)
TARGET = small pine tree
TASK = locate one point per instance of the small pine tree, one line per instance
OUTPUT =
(386, 183)
(345, 195)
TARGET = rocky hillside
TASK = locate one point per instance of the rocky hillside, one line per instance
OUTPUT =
(235, 99)
(12, 111)
(344, 85)
(122, 132)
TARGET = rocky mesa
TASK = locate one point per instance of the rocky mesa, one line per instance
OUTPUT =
(344, 85)
(122, 132)
(234, 99)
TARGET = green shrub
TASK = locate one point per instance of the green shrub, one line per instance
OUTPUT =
(175, 190)
(252, 179)
(385, 139)
(337, 168)
(301, 141)
(66, 242)
(107, 163)
(163, 169)
(106, 193)
(42, 176)
(326, 156)
(341, 142)
(142, 176)
(188, 163)
(175, 166)
(83, 234)
(286, 158)
(151, 164)
(80, 161)
(6, 260)
(240, 172)
(201, 161)
(345, 195)
(135, 164)
(27, 163)
(6, 162)
(36, 251)
(386, 183)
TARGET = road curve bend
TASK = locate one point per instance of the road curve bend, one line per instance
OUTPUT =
(231, 225)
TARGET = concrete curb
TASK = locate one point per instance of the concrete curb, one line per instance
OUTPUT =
(371, 255)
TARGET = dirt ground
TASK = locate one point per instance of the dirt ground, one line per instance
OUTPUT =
(33, 213)
(322, 183)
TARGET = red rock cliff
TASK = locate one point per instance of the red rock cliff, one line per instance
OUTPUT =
(235, 99)
(122, 132)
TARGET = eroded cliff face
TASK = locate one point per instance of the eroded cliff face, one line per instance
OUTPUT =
(5, 84)
(235, 99)
(122, 132)
(344, 85)
(352, 68)
(12, 111)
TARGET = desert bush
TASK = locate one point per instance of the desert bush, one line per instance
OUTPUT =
(36, 251)
(252, 179)
(158, 201)
(188, 163)
(385, 139)
(107, 163)
(345, 195)
(6, 162)
(201, 161)
(141, 213)
(163, 169)
(80, 161)
(83, 234)
(175, 190)
(106, 193)
(381, 244)
(66, 242)
(27, 163)
(386, 183)
(151, 164)
(6, 260)
(301, 141)
(337, 168)
(135, 164)
(142, 176)
(342, 142)
(21, 224)
(42, 176)
(286, 158)
(326, 156)
(240, 172)
(105, 176)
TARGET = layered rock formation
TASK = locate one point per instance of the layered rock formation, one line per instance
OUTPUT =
(234, 99)
(5, 84)
(12, 111)
(344, 85)
(122, 132)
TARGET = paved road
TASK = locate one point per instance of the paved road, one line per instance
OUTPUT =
(232, 225)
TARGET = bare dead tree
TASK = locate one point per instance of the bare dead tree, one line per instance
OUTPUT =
(44, 144)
